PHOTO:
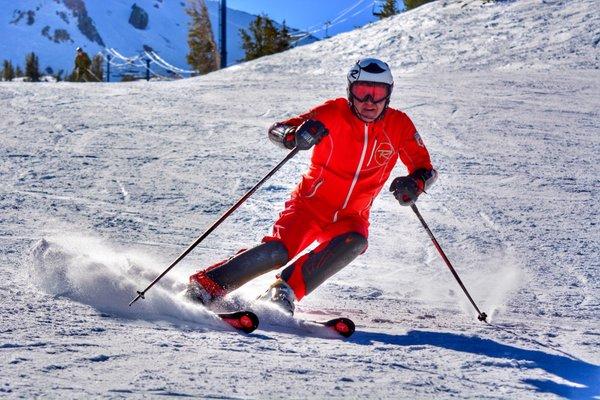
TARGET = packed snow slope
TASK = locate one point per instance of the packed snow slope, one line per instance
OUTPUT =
(102, 186)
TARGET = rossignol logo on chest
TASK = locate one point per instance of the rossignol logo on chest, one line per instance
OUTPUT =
(383, 153)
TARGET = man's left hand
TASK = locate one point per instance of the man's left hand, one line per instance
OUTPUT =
(308, 134)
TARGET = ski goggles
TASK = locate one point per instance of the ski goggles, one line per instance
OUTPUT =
(370, 91)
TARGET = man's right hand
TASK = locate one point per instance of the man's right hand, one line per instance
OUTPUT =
(406, 189)
(310, 133)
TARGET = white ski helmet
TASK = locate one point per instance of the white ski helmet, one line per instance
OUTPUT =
(370, 70)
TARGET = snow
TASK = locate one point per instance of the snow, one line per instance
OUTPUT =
(102, 186)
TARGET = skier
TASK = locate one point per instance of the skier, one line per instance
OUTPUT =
(82, 66)
(356, 141)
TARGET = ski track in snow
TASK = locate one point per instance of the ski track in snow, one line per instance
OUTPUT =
(102, 186)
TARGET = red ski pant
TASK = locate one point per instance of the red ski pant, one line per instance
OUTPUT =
(300, 224)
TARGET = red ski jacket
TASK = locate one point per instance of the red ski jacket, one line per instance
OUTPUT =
(349, 166)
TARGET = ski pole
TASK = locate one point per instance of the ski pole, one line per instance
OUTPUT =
(141, 294)
(94, 75)
(481, 315)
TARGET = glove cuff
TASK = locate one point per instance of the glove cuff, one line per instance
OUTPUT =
(425, 178)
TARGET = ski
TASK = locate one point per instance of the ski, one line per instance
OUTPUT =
(235, 316)
(245, 321)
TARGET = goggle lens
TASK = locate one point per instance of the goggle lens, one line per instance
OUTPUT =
(365, 91)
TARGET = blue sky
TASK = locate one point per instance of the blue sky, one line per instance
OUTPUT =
(312, 15)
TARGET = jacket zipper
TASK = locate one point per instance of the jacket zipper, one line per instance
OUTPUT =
(357, 173)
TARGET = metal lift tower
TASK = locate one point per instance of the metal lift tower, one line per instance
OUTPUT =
(223, 32)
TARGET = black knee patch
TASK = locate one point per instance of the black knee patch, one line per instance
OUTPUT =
(278, 252)
(318, 266)
(355, 242)
(250, 264)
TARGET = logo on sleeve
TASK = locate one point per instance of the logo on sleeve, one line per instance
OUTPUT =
(419, 140)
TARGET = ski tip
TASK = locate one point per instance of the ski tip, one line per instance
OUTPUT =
(245, 321)
(343, 326)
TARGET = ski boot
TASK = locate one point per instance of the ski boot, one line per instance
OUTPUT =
(196, 293)
(201, 289)
(281, 295)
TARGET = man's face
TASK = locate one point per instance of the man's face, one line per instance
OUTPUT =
(369, 99)
(367, 110)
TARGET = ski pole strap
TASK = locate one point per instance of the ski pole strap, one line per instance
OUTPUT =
(481, 315)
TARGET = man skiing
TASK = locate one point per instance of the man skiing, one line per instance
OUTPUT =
(356, 142)
(82, 66)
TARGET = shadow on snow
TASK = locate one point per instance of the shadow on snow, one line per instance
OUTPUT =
(576, 371)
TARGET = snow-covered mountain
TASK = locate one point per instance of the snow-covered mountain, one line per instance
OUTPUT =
(119, 179)
(53, 29)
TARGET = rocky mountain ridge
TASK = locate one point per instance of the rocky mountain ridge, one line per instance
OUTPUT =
(53, 29)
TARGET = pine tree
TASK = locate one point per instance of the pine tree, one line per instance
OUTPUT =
(389, 9)
(18, 72)
(270, 34)
(97, 67)
(203, 55)
(410, 4)
(32, 67)
(59, 75)
(284, 39)
(8, 71)
(255, 42)
(264, 38)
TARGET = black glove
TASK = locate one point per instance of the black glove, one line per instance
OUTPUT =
(406, 189)
(309, 133)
